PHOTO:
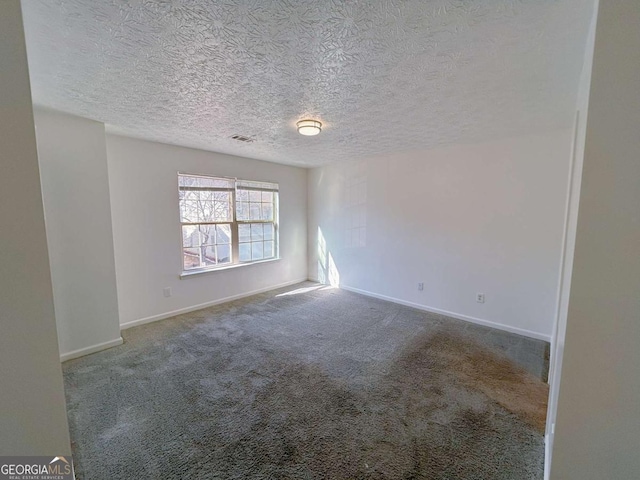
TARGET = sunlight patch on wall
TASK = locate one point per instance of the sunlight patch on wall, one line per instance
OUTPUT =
(327, 271)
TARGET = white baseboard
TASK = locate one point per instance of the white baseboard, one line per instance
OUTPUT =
(459, 316)
(92, 349)
(193, 308)
(114, 343)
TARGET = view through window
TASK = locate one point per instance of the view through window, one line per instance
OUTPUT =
(226, 221)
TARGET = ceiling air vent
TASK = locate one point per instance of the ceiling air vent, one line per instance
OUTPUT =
(243, 138)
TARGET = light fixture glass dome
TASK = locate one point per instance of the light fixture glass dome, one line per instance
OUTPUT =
(309, 127)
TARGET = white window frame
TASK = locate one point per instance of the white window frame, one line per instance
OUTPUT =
(234, 223)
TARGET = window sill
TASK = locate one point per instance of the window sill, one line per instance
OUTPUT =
(191, 273)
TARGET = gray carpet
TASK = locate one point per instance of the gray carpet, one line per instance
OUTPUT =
(309, 383)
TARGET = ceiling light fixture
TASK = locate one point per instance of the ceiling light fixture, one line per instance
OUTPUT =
(309, 127)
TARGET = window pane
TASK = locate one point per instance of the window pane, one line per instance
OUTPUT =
(209, 211)
(206, 245)
(242, 195)
(245, 252)
(268, 231)
(206, 212)
(207, 234)
(255, 196)
(243, 210)
(254, 211)
(267, 211)
(268, 250)
(191, 258)
(224, 253)
(221, 196)
(203, 195)
(256, 251)
(267, 197)
(222, 211)
(256, 232)
(208, 255)
(190, 236)
(244, 232)
(200, 206)
(189, 211)
(223, 234)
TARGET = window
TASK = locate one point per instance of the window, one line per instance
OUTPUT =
(226, 221)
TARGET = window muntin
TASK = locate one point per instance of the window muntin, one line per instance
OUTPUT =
(214, 233)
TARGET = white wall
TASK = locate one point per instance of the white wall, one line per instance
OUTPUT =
(598, 422)
(558, 340)
(465, 219)
(147, 238)
(33, 419)
(75, 187)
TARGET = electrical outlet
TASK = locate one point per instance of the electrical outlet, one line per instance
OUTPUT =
(420, 286)
(167, 291)
(480, 297)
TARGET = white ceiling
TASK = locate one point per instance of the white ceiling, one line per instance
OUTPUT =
(383, 76)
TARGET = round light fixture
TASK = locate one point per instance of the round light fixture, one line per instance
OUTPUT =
(309, 127)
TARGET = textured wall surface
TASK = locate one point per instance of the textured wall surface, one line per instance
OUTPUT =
(383, 76)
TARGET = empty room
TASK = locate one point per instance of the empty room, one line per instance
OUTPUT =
(320, 240)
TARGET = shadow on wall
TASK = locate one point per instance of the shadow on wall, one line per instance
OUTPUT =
(327, 271)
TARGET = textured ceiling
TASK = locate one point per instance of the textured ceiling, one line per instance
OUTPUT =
(382, 76)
